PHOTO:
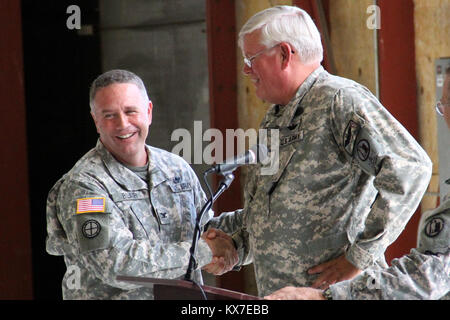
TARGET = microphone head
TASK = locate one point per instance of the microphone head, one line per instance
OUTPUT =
(259, 153)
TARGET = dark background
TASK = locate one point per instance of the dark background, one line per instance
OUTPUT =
(59, 66)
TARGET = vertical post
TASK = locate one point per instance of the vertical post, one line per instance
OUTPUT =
(15, 243)
(397, 77)
(318, 10)
(222, 64)
(376, 64)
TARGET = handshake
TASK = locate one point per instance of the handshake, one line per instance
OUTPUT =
(225, 256)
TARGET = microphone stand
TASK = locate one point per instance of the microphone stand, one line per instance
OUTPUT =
(228, 178)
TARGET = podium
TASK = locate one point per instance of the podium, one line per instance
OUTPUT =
(177, 289)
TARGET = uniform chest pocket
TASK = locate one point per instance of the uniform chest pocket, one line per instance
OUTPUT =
(174, 204)
(140, 220)
(285, 155)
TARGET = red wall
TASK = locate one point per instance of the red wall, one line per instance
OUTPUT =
(15, 245)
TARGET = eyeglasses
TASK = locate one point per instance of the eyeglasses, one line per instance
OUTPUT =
(248, 61)
(440, 108)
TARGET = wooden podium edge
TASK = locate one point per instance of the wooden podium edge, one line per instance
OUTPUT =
(212, 293)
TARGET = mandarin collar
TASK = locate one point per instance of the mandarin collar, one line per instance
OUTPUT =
(125, 177)
(284, 114)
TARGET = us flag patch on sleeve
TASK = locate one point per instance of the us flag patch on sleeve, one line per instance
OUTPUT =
(96, 204)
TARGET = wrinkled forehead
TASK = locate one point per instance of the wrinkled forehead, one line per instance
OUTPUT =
(252, 43)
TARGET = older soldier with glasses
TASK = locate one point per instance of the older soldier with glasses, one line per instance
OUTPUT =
(424, 273)
(350, 175)
(126, 208)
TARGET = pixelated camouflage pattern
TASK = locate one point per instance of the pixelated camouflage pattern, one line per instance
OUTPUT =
(334, 193)
(146, 229)
(422, 274)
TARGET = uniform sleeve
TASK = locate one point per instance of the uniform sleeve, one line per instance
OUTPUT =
(105, 245)
(434, 230)
(387, 156)
(413, 276)
(234, 222)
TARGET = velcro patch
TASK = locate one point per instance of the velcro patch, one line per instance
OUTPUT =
(434, 227)
(367, 152)
(95, 204)
(91, 229)
(363, 149)
(349, 137)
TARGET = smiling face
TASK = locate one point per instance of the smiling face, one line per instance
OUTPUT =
(122, 117)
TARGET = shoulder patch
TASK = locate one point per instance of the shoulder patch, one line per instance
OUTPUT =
(434, 227)
(91, 229)
(363, 149)
(349, 137)
(95, 204)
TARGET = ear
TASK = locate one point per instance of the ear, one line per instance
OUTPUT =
(287, 54)
(95, 121)
(150, 112)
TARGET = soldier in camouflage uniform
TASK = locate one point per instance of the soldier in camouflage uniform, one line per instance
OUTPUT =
(424, 273)
(350, 175)
(125, 208)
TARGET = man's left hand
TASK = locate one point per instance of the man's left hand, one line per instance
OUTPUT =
(333, 271)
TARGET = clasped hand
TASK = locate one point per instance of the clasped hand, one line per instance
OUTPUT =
(224, 253)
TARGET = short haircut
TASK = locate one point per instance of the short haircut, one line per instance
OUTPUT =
(286, 24)
(115, 76)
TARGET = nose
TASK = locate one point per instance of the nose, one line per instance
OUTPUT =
(122, 121)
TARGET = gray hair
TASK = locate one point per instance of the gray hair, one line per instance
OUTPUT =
(115, 76)
(286, 24)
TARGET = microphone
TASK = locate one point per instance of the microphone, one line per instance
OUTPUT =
(256, 154)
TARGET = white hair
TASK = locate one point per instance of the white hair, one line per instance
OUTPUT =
(286, 24)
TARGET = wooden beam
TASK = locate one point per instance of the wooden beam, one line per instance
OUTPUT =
(318, 10)
(397, 76)
(15, 244)
(221, 35)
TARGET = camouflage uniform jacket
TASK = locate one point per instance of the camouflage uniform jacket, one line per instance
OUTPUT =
(107, 221)
(350, 177)
(424, 273)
